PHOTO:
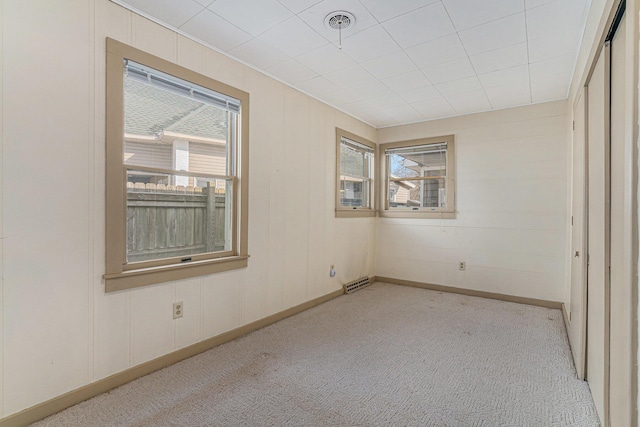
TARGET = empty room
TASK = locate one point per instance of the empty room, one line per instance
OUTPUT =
(319, 212)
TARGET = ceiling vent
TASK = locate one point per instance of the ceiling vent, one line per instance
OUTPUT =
(339, 20)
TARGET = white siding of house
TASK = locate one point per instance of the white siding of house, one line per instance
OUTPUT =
(150, 155)
(207, 158)
(402, 195)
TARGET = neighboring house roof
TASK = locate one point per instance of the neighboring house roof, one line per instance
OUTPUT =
(150, 111)
(351, 162)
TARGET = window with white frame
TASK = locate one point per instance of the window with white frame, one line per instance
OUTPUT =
(176, 171)
(419, 178)
(355, 175)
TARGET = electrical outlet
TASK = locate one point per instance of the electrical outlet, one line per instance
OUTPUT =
(462, 266)
(178, 309)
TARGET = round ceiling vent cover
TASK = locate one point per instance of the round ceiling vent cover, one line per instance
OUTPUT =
(339, 20)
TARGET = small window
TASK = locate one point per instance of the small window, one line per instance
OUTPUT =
(176, 171)
(355, 176)
(419, 178)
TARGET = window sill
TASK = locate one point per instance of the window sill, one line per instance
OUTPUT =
(418, 214)
(149, 276)
(355, 213)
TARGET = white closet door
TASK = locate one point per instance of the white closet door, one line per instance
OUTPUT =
(621, 241)
(578, 302)
(598, 235)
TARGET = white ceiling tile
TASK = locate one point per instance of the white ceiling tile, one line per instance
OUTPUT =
(315, 17)
(205, 2)
(445, 49)
(373, 118)
(293, 37)
(366, 110)
(291, 71)
(372, 89)
(378, 119)
(371, 43)
(419, 94)
(390, 65)
(553, 45)
(317, 86)
(530, 4)
(326, 59)
(559, 65)
(350, 76)
(388, 102)
(213, 29)
(468, 84)
(434, 108)
(510, 76)
(509, 95)
(359, 108)
(544, 95)
(259, 53)
(383, 103)
(495, 34)
(498, 59)
(361, 93)
(253, 16)
(558, 16)
(339, 97)
(391, 103)
(406, 114)
(385, 9)
(550, 87)
(466, 14)
(173, 12)
(297, 6)
(407, 81)
(469, 102)
(449, 71)
(428, 23)
(388, 121)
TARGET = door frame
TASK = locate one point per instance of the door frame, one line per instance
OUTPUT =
(580, 354)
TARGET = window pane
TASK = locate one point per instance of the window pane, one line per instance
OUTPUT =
(354, 191)
(166, 218)
(356, 165)
(168, 129)
(415, 163)
(428, 193)
(433, 194)
(401, 167)
(353, 162)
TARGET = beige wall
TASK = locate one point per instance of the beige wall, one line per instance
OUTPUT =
(60, 331)
(511, 195)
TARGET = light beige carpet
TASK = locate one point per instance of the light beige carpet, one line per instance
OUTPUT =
(384, 356)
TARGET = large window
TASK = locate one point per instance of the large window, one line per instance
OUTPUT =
(176, 171)
(419, 178)
(355, 184)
